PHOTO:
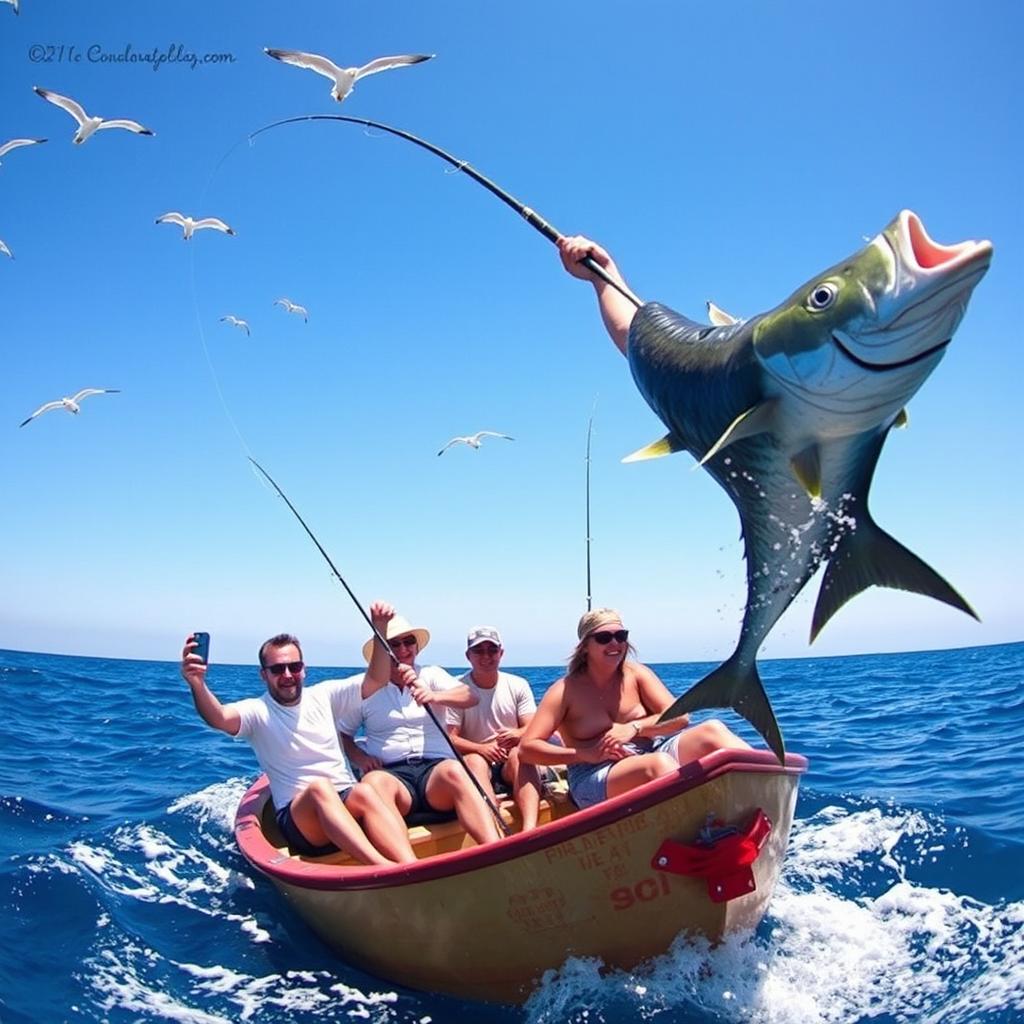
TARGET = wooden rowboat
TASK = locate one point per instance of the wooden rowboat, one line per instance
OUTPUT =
(696, 851)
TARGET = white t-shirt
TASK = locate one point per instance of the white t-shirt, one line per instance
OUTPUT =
(501, 706)
(297, 744)
(396, 726)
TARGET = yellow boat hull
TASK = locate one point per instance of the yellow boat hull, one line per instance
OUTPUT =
(485, 922)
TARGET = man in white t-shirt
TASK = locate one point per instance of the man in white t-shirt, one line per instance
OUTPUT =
(409, 760)
(487, 734)
(318, 803)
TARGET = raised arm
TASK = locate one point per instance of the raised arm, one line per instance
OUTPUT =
(212, 712)
(378, 672)
(616, 310)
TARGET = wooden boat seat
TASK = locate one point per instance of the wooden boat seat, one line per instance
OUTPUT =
(431, 838)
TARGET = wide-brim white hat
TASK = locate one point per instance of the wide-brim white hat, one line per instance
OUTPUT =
(399, 626)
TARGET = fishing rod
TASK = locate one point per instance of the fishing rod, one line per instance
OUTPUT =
(530, 216)
(590, 428)
(387, 647)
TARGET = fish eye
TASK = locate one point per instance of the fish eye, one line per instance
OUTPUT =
(822, 296)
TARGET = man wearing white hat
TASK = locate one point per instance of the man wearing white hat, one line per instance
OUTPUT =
(408, 760)
(487, 734)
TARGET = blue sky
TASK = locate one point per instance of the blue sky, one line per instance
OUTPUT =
(722, 151)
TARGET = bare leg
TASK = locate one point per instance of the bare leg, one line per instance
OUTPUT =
(448, 787)
(384, 826)
(525, 779)
(703, 739)
(322, 817)
(634, 771)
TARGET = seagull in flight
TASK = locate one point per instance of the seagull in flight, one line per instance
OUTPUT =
(17, 143)
(235, 322)
(86, 123)
(474, 440)
(292, 307)
(13, 3)
(190, 226)
(71, 404)
(5, 250)
(344, 78)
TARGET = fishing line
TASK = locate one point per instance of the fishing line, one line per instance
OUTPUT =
(529, 215)
(387, 647)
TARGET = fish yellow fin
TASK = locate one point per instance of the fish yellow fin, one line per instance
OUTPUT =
(756, 420)
(719, 317)
(668, 445)
(806, 466)
(902, 419)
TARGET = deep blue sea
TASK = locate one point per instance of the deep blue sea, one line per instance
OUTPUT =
(124, 899)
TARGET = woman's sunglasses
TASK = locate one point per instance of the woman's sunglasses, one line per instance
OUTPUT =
(404, 641)
(295, 667)
(606, 636)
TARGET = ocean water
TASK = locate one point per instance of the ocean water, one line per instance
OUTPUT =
(124, 899)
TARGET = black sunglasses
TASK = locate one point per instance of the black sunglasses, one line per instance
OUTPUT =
(295, 667)
(404, 641)
(606, 636)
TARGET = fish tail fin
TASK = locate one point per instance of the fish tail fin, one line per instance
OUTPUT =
(738, 687)
(868, 556)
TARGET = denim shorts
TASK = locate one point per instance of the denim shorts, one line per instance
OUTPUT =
(296, 841)
(588, 783)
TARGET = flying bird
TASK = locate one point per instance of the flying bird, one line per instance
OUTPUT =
(190, 226)
(17, 144)
(292, 307)
(71, 404)
(474, 440)
(344, 78)
(13, 3)
(235, 322)
(5, 250)
(86, 123)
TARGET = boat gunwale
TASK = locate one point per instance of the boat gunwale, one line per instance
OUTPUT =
(309, 874)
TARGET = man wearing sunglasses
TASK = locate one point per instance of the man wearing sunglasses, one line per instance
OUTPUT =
(318, 803)
(488, 734)
(408, 759)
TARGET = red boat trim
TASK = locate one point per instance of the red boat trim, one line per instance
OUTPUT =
(312, 875)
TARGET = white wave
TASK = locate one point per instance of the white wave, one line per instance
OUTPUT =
(826, 956)
(215, 805)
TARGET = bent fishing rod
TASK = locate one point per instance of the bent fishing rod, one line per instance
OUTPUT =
(529, 215)
(387, 647)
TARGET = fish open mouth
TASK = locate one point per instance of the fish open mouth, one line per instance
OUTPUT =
(926, 252)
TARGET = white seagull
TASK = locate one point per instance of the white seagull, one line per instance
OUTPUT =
(17, 143)
(86, 123)
(235, 322)
(71, 404)
(292, 307)
(13, 3)
(474, 440)
(344, 78)
(5, 250)
(190, 226)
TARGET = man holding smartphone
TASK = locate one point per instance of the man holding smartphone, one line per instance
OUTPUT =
(318, 803)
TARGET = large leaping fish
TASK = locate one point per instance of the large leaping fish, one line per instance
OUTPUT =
(789, 410)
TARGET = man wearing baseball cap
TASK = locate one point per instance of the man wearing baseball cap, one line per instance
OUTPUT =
(487, 734)
(408, 760)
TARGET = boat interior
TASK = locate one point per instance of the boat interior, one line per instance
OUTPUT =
(443, 834)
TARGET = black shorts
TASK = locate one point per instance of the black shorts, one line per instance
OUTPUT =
(414, 773)
(296, 841)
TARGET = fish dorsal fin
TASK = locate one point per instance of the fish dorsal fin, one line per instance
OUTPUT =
(806, 466)
(719, 317)
(867, 556)
(667, 445)
(756, 420)
(902, 419)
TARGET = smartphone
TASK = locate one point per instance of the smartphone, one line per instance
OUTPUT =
(203, 646)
